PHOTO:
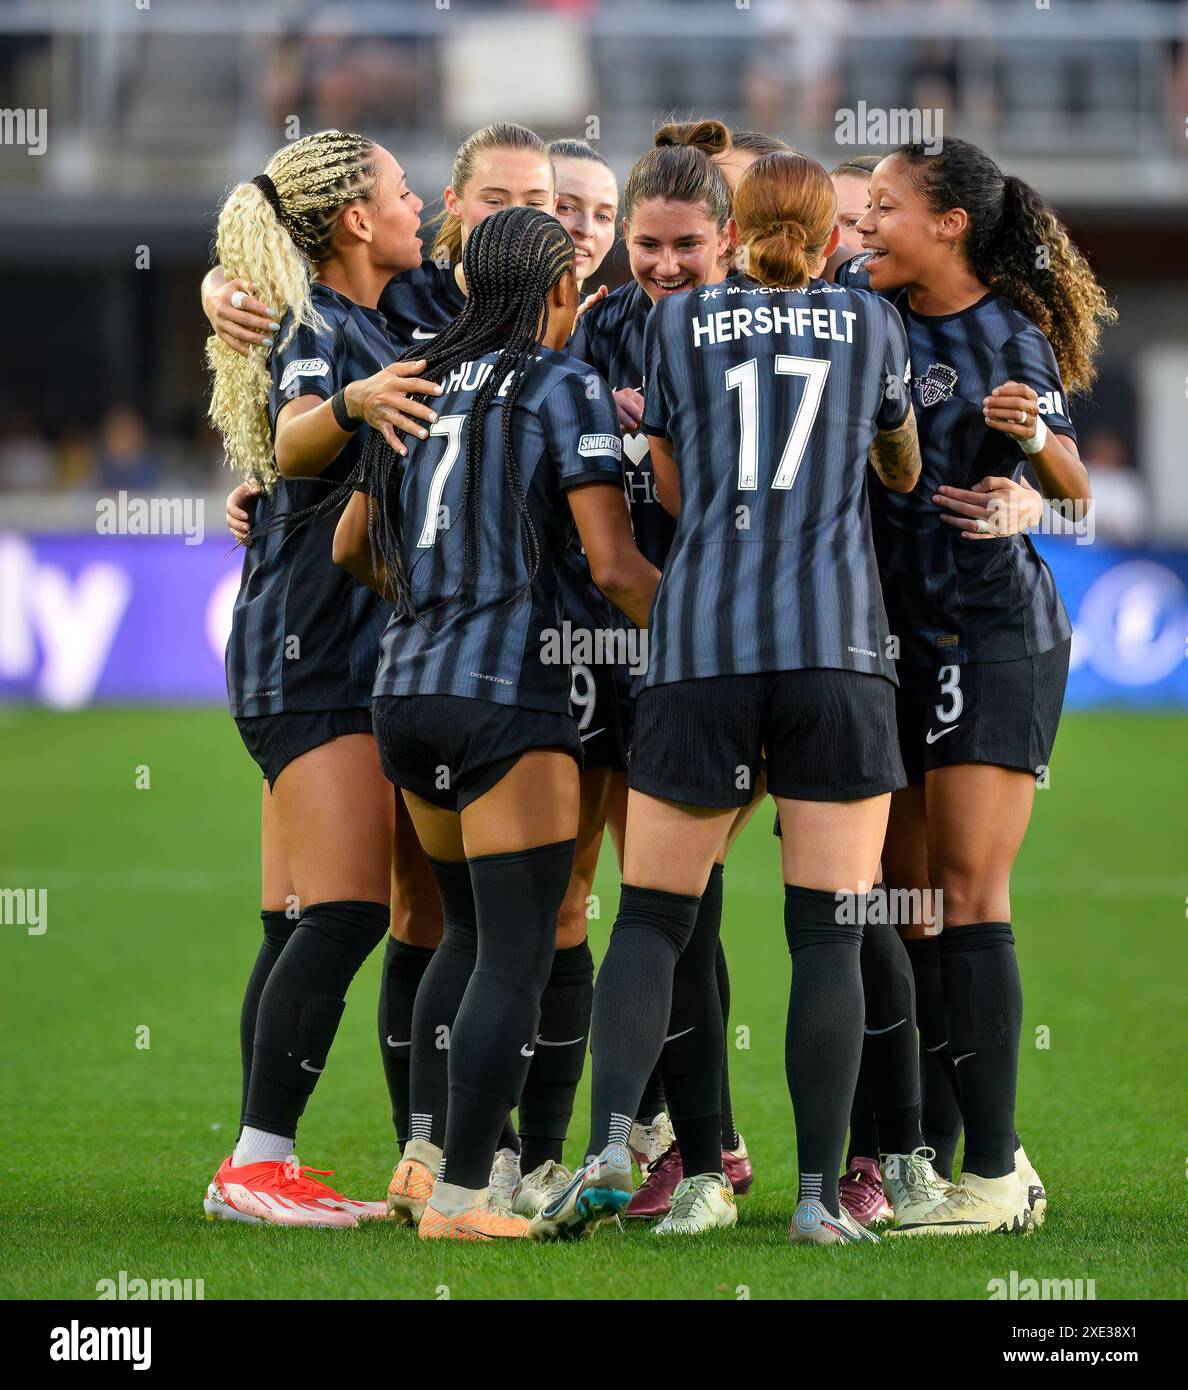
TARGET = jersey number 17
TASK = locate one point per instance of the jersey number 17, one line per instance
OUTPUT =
(745, 380)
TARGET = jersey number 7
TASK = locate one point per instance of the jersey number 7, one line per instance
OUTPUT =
(745, 380)
(451, 427)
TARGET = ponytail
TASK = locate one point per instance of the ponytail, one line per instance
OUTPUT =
(274, 232)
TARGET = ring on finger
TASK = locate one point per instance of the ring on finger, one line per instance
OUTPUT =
(237, 299)
(983, 526)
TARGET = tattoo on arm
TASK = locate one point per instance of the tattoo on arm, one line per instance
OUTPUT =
(895, 455)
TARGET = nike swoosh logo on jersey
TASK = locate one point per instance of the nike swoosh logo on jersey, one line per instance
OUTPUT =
(569, 1042)
(592, 732)
(420, 333)
(305, 1066)
(930, 737)
(674, 1036)
(874, 1032)
(964, 1056)
(393, 1043)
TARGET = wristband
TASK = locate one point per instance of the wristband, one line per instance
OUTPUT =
(1037, 440)
(342, 416)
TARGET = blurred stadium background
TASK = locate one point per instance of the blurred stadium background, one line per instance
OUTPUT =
(124, 121)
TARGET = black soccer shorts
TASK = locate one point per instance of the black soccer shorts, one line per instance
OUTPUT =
(825, 735)
(450, 749)
(275, 740)
(1000, 712)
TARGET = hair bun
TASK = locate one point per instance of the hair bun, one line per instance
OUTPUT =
(711, 136)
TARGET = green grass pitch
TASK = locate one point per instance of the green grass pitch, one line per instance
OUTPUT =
(152, 925)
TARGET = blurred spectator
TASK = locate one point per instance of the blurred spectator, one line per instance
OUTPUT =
(125, 459)
(1121, 504)
(26, 459)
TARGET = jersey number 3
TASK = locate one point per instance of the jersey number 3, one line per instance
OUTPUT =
(745, 380)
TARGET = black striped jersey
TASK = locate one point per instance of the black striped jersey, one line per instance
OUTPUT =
(304, 634)
(610, 337)
(950, 599)
(770, 399)
(496, 644)
(419, 303)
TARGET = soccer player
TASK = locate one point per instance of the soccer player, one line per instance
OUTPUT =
(304, 636)
(472, 718)
(507, 165)
(763, 405)
(1003, 317)
(587, 203)
(676, 213)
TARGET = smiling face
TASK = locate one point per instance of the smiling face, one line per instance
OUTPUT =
(502, 179)
(674, 247)
(853, 193)
(390, 218)
(587, 200)
(908, 239)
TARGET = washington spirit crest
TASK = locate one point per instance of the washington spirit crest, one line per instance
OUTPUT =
(936, 384)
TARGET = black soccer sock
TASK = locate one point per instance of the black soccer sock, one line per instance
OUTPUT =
(546, 1103)
(691, 1060)
(436, 1009)
(403, 969)
(301, 1006)
(890, 1048)
(823, 1044)
(518, 896)
(633, 1003)
(278, 927)
(652, 1102)
(984, 1009)
(864, 1127)
(730, 1139)
(940, 1111)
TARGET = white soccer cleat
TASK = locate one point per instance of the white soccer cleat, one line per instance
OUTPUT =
(701, 1203)
(650, 1142)
(1037, 1198)
(812, 1224)
(593, 1198)
(540, 1187)
(912, 1185)
(505, 1179)
(976, 1206)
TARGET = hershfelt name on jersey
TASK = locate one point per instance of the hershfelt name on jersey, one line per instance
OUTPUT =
(803, 321)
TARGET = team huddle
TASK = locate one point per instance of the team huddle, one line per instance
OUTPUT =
(526, 564)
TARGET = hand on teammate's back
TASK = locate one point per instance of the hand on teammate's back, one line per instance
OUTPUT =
(385, 401)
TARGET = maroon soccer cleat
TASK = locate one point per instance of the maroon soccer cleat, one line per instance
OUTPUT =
(736, 1164)
(654, 1196)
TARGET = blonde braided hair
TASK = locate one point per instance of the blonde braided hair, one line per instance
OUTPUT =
(277, 247)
